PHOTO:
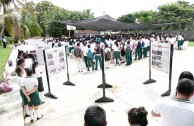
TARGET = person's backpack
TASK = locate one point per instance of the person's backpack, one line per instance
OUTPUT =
(108, 54)
(89, 54)
(128, 49)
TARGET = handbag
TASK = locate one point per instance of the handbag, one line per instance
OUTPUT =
(5, 87)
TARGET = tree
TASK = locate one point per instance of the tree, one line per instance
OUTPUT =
(180, 12)
(146, 17)
(128, 18)
(59, 14)
(9, 20)
(29, 23)
(45, 13)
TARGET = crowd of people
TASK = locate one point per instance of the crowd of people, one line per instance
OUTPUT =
(178, 110)
(117, 48)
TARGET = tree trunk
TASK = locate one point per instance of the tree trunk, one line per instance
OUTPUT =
(3, 28)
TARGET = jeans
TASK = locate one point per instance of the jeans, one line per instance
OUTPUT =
(98, 58)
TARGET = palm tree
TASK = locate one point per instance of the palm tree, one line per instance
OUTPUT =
(8, 18)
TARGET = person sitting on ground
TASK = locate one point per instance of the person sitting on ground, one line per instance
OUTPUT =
(95, 116)
(138, 117)
(178, 111)
(184, 74)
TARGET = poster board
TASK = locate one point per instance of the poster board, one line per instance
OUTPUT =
(55, 60)
(160, 56)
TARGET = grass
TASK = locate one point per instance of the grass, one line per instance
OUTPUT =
(4, 56)
(191, 44)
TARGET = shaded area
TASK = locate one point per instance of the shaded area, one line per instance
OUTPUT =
(107, 22)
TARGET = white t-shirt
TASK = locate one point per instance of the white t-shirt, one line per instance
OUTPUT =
(28, 63)
(107, 50)
(19, 81)
(38, 72)
(85, 50)
(115, 48)
(29, 83)
(175, 112)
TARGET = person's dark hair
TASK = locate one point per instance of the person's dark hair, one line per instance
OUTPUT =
(29, 72)
(186, 74)
(78, 44)
(185, 87)
(34, 66)
(25, 56)
(138, 116)
(89, 46)
(95, 116)
(128, 42)
(32, 57)
(18, 70)
(19, 62)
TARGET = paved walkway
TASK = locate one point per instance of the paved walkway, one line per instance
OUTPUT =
(128, 91)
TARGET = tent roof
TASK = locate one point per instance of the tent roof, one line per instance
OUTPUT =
(107, 22)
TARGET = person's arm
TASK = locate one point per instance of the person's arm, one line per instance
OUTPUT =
(155, 114)
(156, 111)
(25, 93)
(35, 87)
(33, 90)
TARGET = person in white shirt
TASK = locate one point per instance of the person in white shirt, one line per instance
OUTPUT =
(30, 86)
(84, 51)
(38, 74)
(116, 52)
(178, 111)
(145, 48)
(108, 53)
(20, 73)
(184, 74)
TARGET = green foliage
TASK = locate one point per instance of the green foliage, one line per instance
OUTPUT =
(181, 13)
(47, 12)
(5, 53)
(146, 17)
(30, 26)
(191, 44)
(129, 18)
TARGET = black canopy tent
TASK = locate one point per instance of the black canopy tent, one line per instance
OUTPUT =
(107, 22)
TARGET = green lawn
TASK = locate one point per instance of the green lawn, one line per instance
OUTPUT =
(4, 56)
(191, 44)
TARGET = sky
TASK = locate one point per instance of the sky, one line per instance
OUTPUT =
(114, 8)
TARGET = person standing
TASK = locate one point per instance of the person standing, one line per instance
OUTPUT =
(98, 56)
(38, 74)
(85, 50)
(116, 50)
(30, 86)
(128, 54)
(4, 41)
(123, 51)
(90, 58)
(20, 73)
(78, 55)
(107, 51)
(137, 51)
